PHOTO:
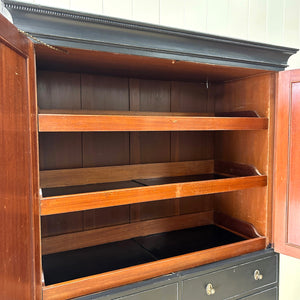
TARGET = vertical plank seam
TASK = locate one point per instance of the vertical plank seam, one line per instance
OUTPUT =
(83, 213)
(248, 22)
(283, 21)
(130, 141)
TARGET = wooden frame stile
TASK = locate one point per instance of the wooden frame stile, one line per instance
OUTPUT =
(20, 252)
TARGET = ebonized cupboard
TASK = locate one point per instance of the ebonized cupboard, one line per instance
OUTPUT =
(230, 279)
(133, 151)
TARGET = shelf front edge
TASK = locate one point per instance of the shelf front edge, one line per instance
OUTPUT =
(104, 281)
(78, 202)
(80, 123)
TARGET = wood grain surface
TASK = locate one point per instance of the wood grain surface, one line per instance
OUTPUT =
(20, 257)
(77, 202)
(82, 123)
(286, 178)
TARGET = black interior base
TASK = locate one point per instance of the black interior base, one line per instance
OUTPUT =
(64, 266)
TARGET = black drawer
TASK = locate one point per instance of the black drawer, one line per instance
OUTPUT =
(270, 294)
(232, 281)
(168, 292)
(233, 278)
(164, 288)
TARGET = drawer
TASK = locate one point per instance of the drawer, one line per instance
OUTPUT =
(231, 281)
(168, 292)
(154, 291)
(271, 294)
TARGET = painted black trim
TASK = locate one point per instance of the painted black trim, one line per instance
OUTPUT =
(87, 31)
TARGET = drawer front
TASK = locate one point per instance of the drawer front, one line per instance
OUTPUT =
(271, 294)
(168, 292)
(231, 281)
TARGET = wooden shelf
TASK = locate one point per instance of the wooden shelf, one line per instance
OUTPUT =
(81, 121)
(74, 190)
(138, 258)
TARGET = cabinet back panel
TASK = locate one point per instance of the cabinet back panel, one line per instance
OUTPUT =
(105, 149)
(62, 90)
(58, 90)
(60, 150)
(148, 147)
(104, 93)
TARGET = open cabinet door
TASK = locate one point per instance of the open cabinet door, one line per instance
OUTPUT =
(20, 259)
(287, 165)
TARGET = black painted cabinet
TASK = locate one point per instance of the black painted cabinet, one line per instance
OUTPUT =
(85, 44)
(253, 276)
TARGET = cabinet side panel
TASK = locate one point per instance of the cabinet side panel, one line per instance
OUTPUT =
(250, 147)
(20, 276)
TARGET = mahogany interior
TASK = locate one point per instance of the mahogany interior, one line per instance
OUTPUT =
(81, 80)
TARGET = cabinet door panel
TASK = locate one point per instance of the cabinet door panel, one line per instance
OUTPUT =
(287, 162)
(20, 269)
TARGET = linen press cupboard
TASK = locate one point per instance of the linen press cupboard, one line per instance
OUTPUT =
(131, 151)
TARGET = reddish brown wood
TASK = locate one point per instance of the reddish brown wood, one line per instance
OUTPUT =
(190, 97)
(103, 217)
(104, 92)
(105, 149)
(287, 175)
(20, 258)
(134, 103)
(60, 90)
(249, 147)
(294, 164)
(195, 204)
(62, 223)
(79, 60)
(104, 281)
(244, 228)
(77, 202)
(110, 234)
(68, 122)
(150, 97)
(82, 176)
(235, 169)
(56, 151)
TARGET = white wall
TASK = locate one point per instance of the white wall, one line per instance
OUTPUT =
(289, 278)
(268, 21)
